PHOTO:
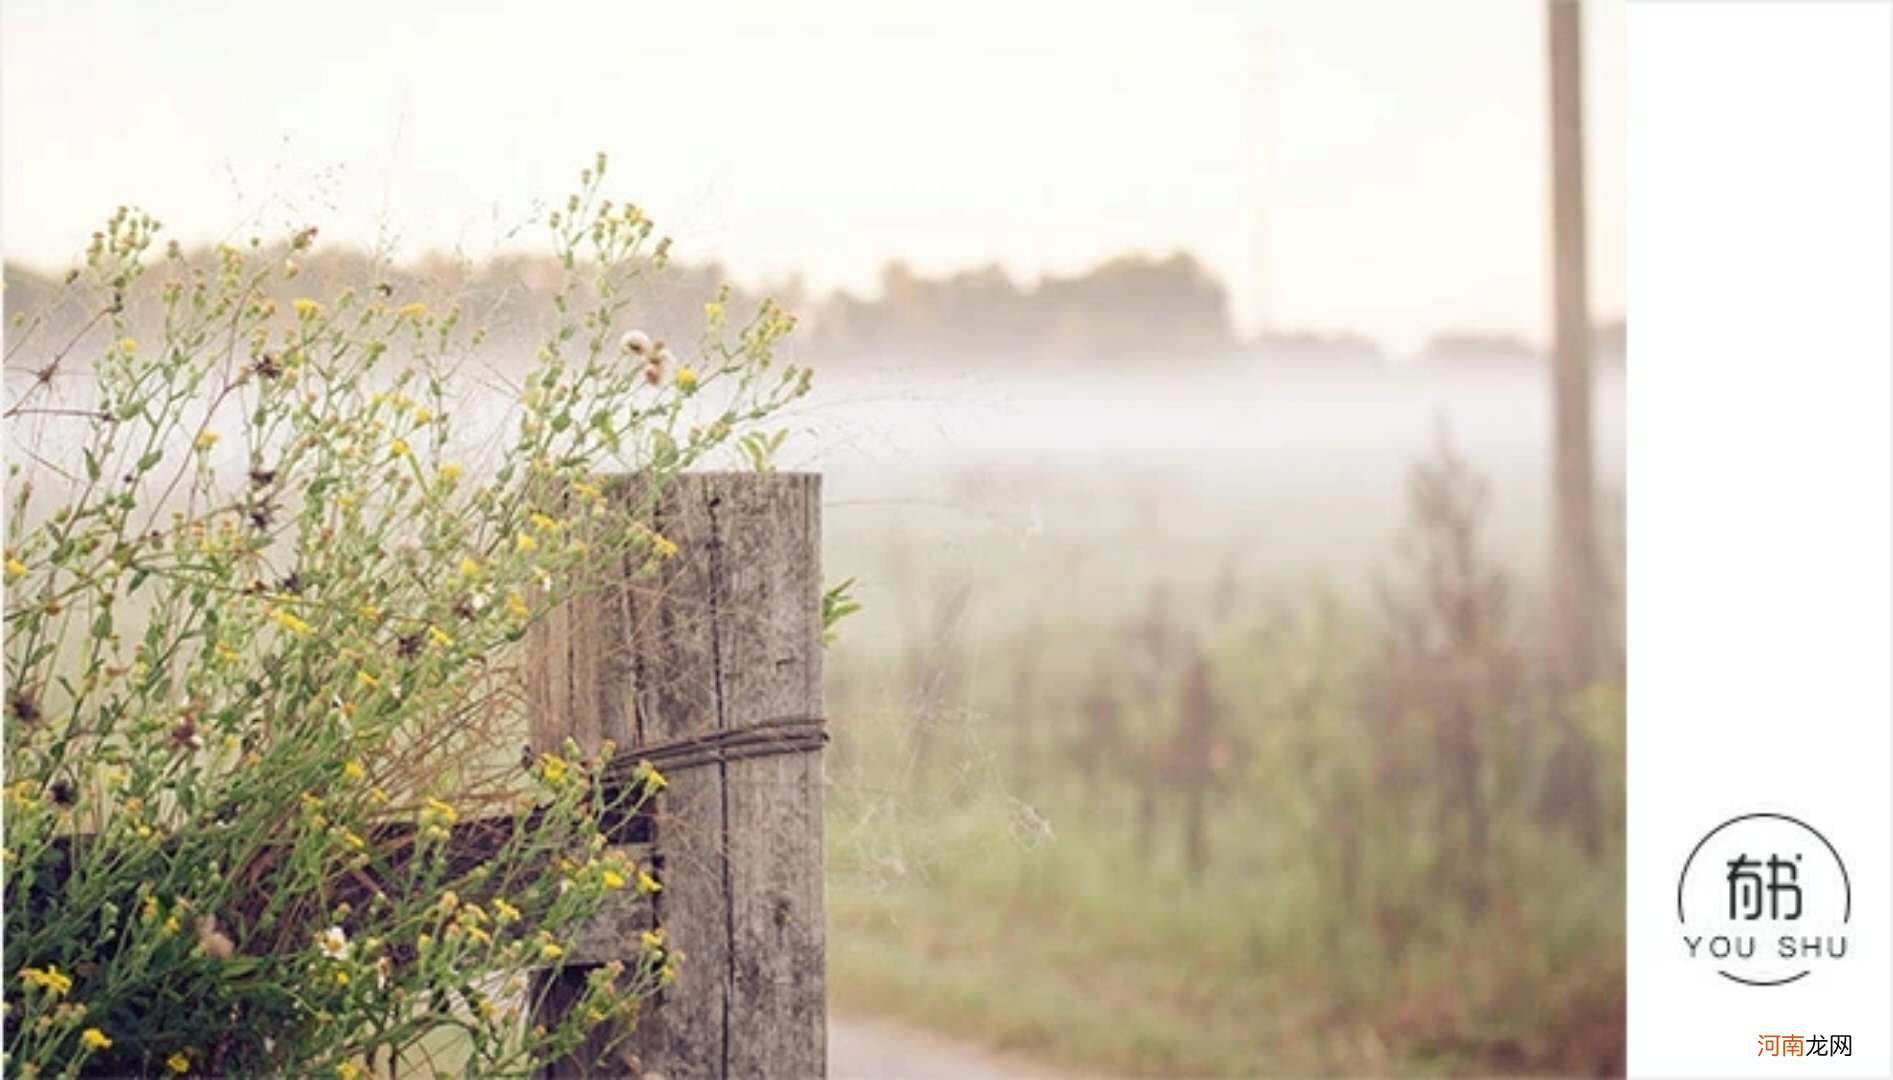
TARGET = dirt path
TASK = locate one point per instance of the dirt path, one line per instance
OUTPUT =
(863, 1049)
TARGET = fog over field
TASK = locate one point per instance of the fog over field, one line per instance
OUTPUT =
(1275, 474)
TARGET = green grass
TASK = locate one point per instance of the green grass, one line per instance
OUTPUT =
(982, 888)
(1013, 904)
(1071, 952)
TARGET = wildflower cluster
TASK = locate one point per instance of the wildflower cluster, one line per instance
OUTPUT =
(261, 655)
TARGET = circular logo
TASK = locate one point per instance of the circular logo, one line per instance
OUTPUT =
(1764, 900)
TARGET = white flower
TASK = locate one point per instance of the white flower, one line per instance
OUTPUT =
(635, 342)
(333, 943)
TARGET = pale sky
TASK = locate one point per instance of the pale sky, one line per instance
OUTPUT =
(1377, 165)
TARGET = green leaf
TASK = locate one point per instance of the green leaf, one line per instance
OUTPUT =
(837, 604)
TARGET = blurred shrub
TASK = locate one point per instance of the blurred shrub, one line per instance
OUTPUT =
(1301, 831)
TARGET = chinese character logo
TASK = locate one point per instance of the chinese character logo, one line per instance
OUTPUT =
(1764, 899)
(1746, 888)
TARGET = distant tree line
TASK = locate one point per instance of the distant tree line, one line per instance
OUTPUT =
(1127, 307)
(1129, 310)
(1463, 348)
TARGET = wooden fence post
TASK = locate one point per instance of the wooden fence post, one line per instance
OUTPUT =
(724, 637)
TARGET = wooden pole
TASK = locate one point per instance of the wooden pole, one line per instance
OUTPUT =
(1574, 556)
(724, 635)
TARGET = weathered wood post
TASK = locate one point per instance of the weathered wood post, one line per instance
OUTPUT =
(723, 644)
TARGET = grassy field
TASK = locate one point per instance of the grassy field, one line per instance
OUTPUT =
(1019, 926)
(1092, 962)
(1407, 858)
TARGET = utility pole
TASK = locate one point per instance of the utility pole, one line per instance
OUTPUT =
(1574, 537)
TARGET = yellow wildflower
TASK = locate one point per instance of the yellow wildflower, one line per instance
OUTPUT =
(436, 812)
(667, 975)
(653, 780)
(341, 978)
(504, 912)
(227, 652)
(612, 880)
(587, 491)
(178, 1063)
(663, 546)
(411, 311)
(479, 936)
(439, 637)
(48, 978)
(469, 567)
(205, 440)
(305, 307)
(355, 771)
(367, 681)
(290, 623)
(128, 346)
(353, 840)
(526, 543)
(516, 606)
(369, 613)
(652, 940)
(648, 884)
(713, 312)
(15, 569)
(94, 1039)
(348, 1070)
(551, 950)
(399, 448)
(552, 767)
(686, 379)
(449, 474)
(422, 416)
(545, 522)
